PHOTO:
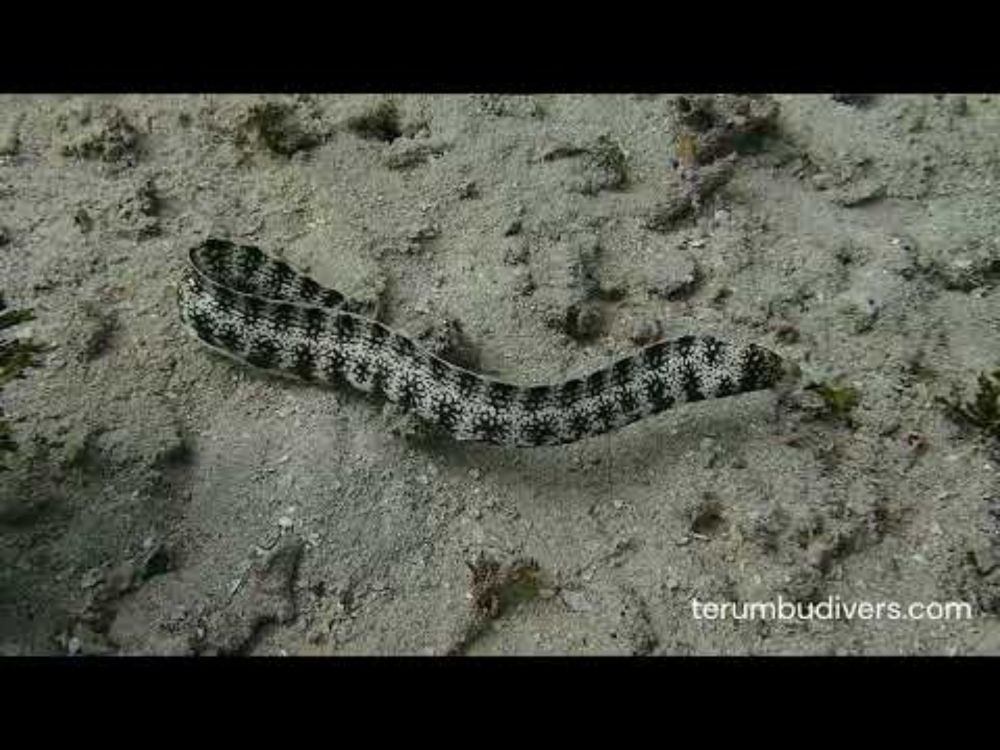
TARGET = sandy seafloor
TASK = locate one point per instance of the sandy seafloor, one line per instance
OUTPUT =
(165, 500)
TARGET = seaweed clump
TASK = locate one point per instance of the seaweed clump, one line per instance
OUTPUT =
(282, 129)
(497, 588)
(839, 400)
(16, 356)
(983, 411)
(380, 123)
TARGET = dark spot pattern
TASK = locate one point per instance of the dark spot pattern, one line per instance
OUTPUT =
(692, 385)
(713, 349)
(501, 394)
(438, 369)
(315, 320)
(282, 276)
(402, 346)
(468, 384)
(228, 336)
(331, 298)
(626, 400)
(345, 326)
(308, 289)
(621, 372)
(305, 362)
(568, 393)
(333, 369)
(283, 315)
(596, 382)
(262, 354)
(378, 380)
(446, 414)
(536, 396)
(253, 309)
(406, 394)
(262, 311)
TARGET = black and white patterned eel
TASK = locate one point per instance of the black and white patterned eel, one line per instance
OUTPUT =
(260, 311)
